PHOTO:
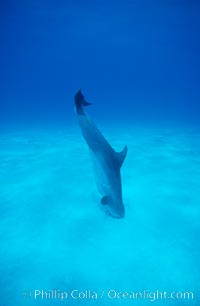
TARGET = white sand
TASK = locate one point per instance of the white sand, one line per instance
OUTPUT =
(54, 234)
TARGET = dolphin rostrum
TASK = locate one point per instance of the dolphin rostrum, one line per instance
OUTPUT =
(107, 162)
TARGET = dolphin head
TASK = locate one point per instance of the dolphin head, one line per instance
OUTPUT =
(113, 207)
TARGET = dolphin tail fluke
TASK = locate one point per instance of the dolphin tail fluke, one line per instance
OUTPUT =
(80, 101)
(121, 155)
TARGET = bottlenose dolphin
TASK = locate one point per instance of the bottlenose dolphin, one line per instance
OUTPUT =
(107, 162)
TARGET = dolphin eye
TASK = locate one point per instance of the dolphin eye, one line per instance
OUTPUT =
(105, 200)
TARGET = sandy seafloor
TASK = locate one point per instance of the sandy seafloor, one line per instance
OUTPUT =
(54, 234)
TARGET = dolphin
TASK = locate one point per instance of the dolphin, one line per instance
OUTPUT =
(107, 162)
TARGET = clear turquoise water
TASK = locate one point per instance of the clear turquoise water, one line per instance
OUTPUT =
(136, 61)
(54, 234)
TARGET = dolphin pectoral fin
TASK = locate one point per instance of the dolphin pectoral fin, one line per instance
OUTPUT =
(121, 156)
(105, 200)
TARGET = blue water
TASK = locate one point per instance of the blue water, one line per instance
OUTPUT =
(138, 64)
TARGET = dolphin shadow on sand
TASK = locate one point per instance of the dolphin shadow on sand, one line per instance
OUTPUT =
(107, 162)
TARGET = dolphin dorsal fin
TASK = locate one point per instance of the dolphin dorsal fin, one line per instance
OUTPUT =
(121, 155)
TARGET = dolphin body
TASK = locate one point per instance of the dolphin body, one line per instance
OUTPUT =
(107, 162)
